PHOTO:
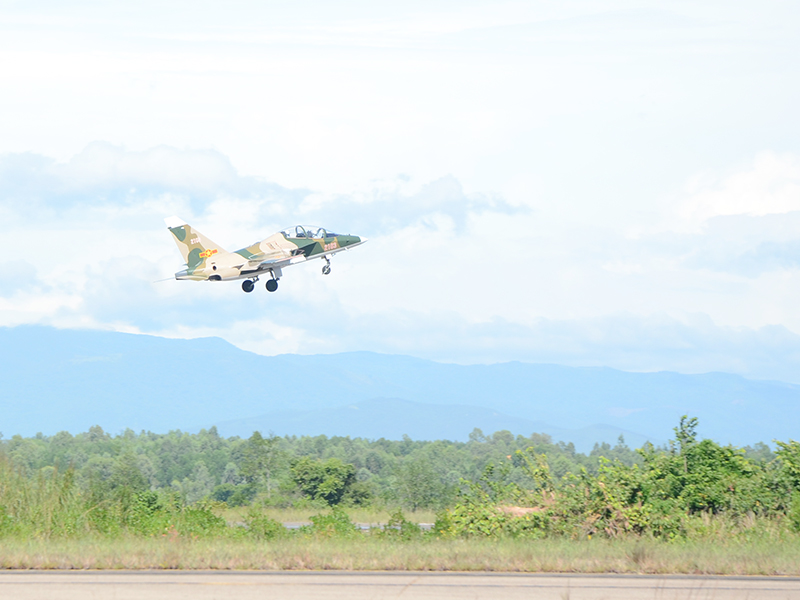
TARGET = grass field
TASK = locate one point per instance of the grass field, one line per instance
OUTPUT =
(306, 553)
(302, 515)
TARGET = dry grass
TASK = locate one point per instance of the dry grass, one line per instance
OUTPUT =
(299, 515)
(564, 556)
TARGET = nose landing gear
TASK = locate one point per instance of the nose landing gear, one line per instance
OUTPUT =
(327, 268)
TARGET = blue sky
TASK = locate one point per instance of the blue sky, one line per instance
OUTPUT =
(587, 183)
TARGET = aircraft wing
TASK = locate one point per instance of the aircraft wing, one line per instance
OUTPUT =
(255, 265)
(263, 261)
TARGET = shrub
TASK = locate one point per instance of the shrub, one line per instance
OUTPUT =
(794, 512)
(399, 528)
(262, 527)
(335, 524)
(469, 519)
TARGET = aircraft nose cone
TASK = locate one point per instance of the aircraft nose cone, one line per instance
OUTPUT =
(349, 240)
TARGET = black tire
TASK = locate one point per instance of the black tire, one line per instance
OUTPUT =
(272, 285)
(326, 269)
(248, 286)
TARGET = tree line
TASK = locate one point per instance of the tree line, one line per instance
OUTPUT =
(492, 485)
(288, 471)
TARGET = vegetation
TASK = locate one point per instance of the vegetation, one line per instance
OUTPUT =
(505, 491)
(375, 553)
(692, 489)
(284, 472)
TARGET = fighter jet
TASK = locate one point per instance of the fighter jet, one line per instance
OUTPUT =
(207, 261)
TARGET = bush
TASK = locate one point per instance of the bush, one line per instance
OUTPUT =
(335, 524)
(153, 514)
(399, 528)
(199, 520)
(794, 512)
(469, 519)
(262, 527)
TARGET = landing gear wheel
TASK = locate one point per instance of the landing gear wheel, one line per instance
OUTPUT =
(327, 268)
(272, 285)
(248, 285)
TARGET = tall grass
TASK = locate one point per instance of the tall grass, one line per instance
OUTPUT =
(46, 504)
(366, 515)
(50, 505)
(309, 553)
(47, 521)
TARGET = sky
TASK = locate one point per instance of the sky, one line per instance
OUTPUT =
(606, 183)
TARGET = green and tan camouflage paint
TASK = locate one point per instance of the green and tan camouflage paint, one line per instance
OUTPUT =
(206, 260)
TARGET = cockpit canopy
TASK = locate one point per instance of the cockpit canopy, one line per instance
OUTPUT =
(308, 232)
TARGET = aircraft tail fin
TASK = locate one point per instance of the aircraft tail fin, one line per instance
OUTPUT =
(193, 245)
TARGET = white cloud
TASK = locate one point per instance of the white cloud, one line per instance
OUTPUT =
(769, 185)
(96, 224)
(447, 275)
(102, 165)
(562, 164)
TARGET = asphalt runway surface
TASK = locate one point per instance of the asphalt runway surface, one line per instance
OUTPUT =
(339, 585)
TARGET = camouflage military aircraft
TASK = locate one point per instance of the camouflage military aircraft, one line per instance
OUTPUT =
(207, 261)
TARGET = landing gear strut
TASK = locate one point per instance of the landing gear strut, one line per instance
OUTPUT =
(327, 268)
(248, 285)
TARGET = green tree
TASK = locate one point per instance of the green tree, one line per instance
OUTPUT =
(261, 458)
(418, 485)
(789, 455)
(125, 474)
(198, 486)
(323, 480)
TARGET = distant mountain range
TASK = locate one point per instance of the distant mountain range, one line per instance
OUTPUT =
(392, 418)
(52, 380)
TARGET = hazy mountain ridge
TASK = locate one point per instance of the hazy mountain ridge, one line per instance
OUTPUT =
(71, 379)
(392, 418)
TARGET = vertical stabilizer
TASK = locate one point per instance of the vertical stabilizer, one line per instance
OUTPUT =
(193, 245)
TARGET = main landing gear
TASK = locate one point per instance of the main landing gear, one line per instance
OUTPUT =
(248, 285)
(327, 268)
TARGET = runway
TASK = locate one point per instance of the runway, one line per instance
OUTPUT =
(339, 585)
